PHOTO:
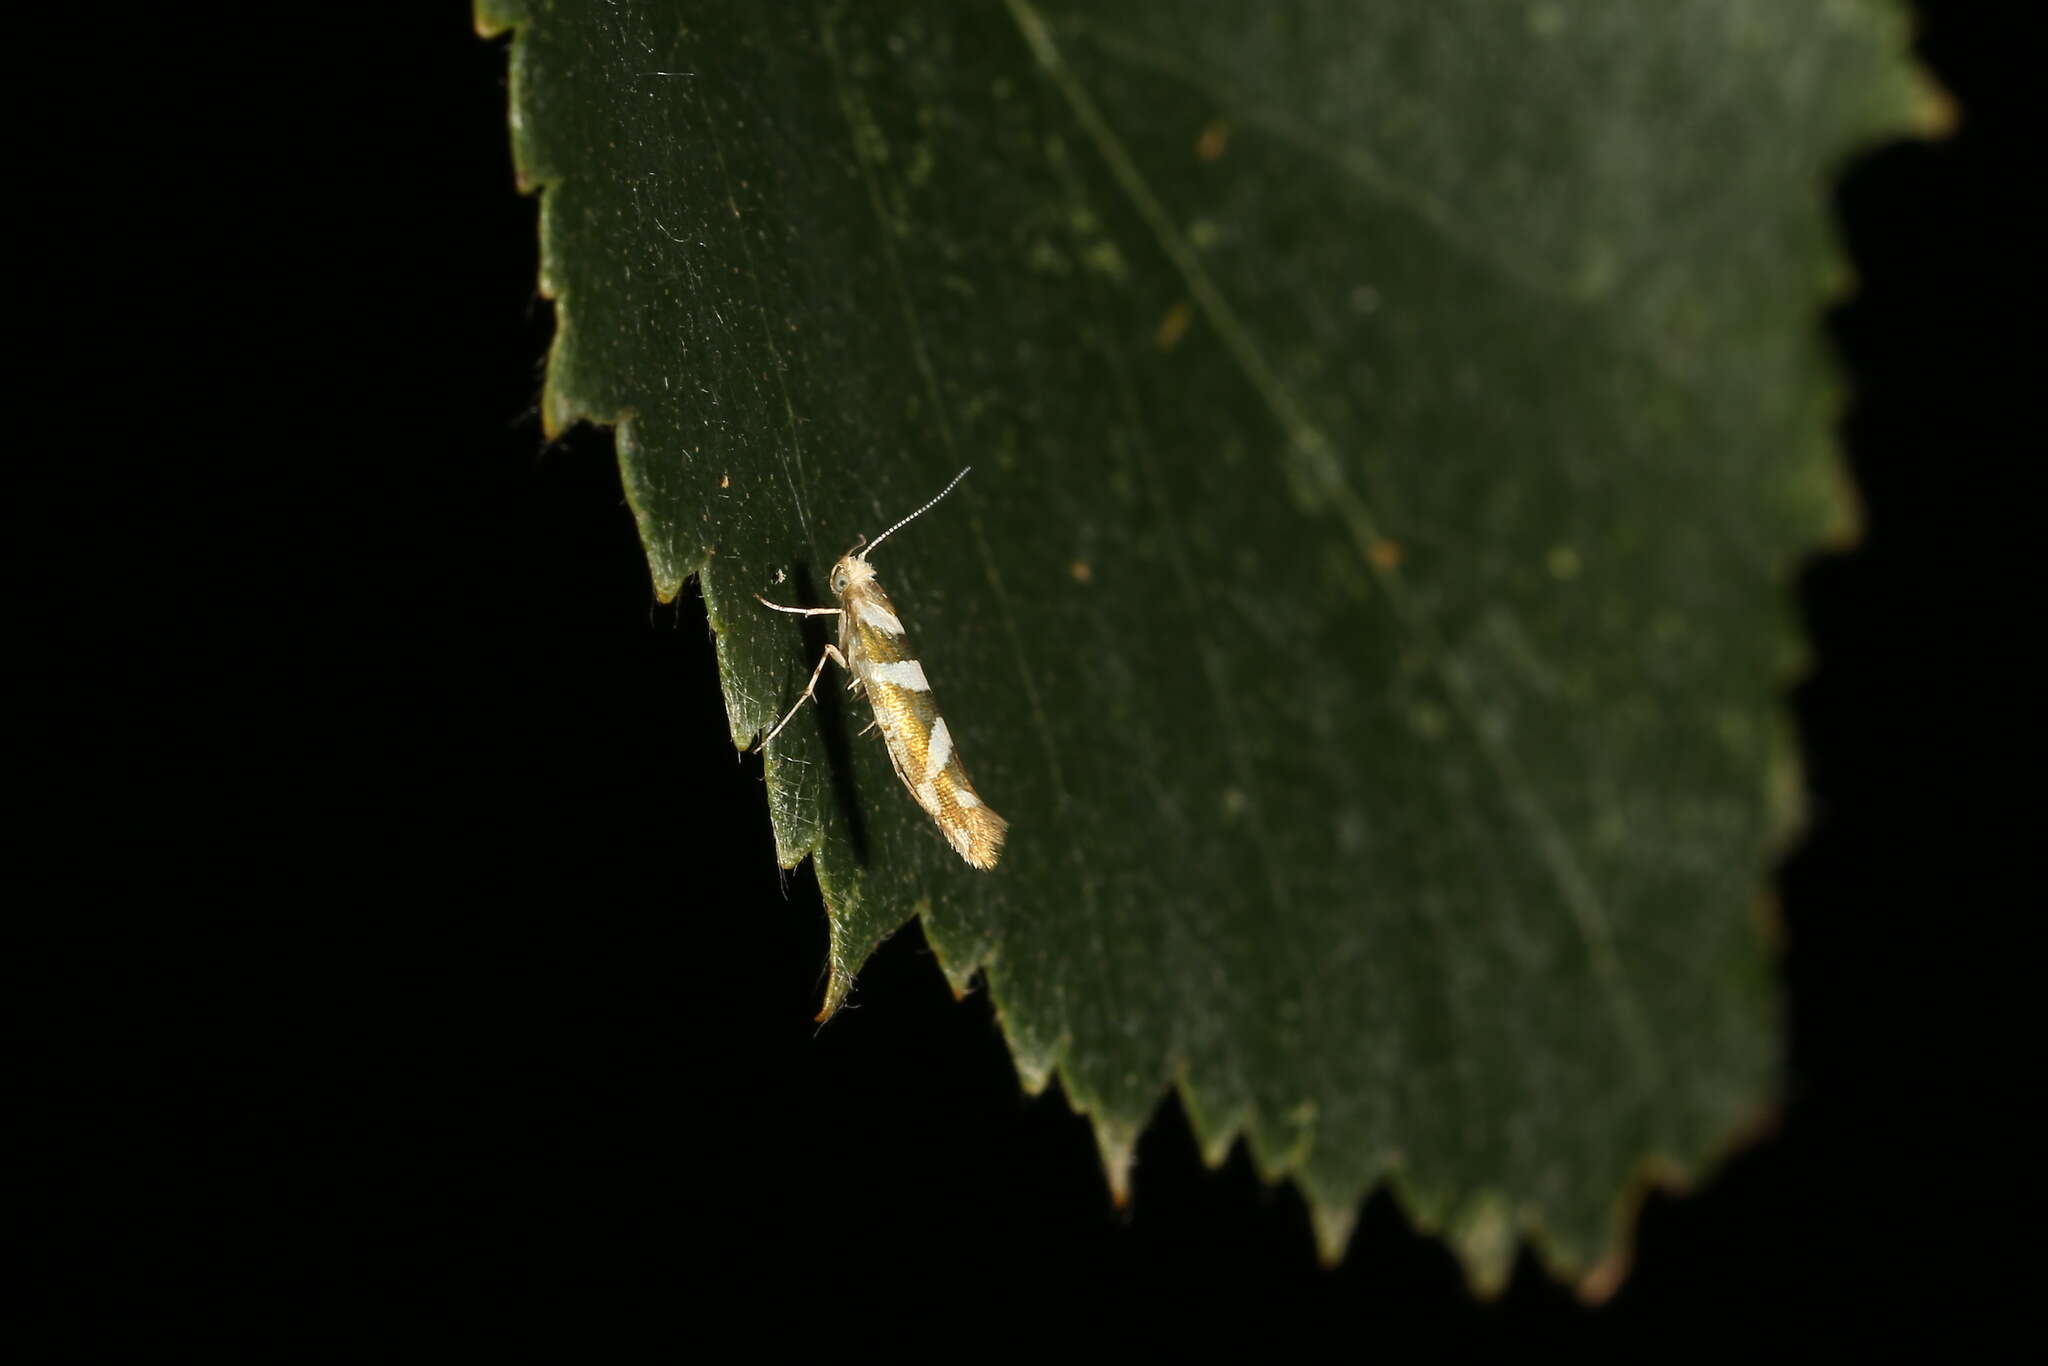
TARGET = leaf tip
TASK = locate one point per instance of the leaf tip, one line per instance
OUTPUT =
(1215, 1133)
(1333, 1223)
(1599, 1283)
(840, 983)
(1117, 1142)
(1485, 1238)
(488, 20)
(1935, 112)
(1034, 1072)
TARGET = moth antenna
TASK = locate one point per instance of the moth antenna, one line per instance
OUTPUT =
(915, 515)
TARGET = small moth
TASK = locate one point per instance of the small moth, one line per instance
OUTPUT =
(874, 649)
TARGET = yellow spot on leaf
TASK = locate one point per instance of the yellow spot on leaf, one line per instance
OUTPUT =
(1082, 571)
(1563, 563)
(1174, 326)
(1214, 140)
(1386, 553)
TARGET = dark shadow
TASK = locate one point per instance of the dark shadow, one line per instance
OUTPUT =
(834, 711)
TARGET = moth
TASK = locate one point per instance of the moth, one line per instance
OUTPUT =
(874, 649)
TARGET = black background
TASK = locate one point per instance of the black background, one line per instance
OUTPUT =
(439, 980)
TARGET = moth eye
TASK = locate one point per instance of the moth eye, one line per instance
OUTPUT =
(839, 583)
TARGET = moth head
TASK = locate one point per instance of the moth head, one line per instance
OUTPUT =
(850, 573)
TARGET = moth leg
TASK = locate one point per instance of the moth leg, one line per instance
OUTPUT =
(801, 612)
(831, 653)
(870, 726)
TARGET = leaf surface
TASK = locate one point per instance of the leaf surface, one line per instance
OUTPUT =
(1393, 426)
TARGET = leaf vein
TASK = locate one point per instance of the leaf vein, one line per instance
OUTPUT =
(1355, 163)
(1312, 452)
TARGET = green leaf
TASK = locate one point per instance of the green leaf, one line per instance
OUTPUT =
(1394, 427)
